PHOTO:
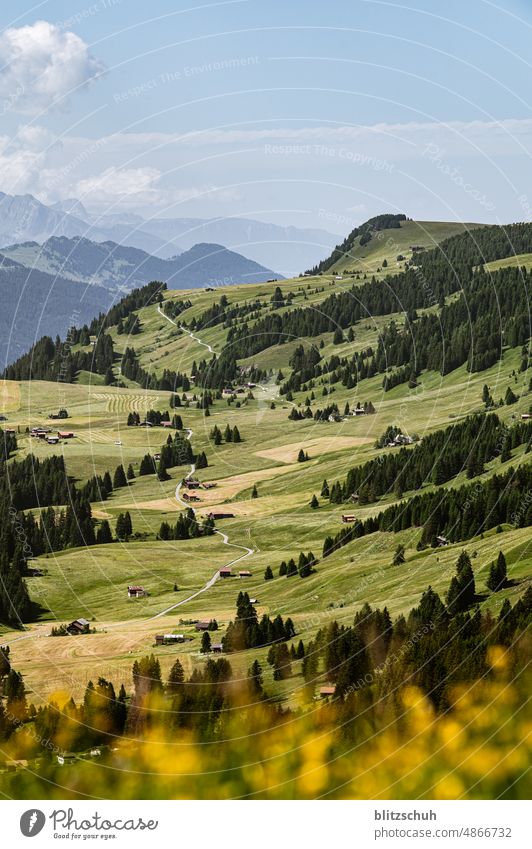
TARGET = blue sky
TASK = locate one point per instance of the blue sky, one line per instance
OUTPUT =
(313, 114)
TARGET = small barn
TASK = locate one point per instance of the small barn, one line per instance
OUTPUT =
(79, 626)
(244, 573)
(328, 690)
(168, 639)
(203, 625)
(135, 591)
(65, 434)
(225, 572)
(220, 515)
(217, 648)
(347, 518)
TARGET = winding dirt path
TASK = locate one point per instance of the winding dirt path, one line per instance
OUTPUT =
(188, 332)
(225, 539)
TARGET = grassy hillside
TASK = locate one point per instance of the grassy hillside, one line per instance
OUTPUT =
(279, 474)
(389, 244)
(277, 524)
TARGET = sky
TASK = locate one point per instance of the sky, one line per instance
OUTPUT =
(300, 113)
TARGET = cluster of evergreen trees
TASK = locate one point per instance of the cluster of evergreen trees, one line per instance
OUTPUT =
(186, 527)
(35, 483)
(174, 308)
(468, 330)
(456, 514)
(304, 567)
(169, 381)
(230, 434)
(223, 313)
(438, 458)
(248, 632)
(435, 647)
(54, 360)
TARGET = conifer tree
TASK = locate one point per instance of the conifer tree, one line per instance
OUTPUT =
(498, 574)
(104, 534)
(119, 478)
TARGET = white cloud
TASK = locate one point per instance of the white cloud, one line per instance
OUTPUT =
(41, 66)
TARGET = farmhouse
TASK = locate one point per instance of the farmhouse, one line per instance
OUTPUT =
(79, 626)
(217, 648)
(136, 592)
(52, 440)
(228, 392)
(244, 573)
(188, 497)
(65, 434)
(218, 515)
(225, 572)
(203, 625)
(348, 517)
(191, 484)
(168, 639)
(327, 691)
(209, 485)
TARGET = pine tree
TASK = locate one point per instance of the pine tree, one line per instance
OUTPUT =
(254, 492)
(314, 503)
(104, 534)
(255, 678)
(130, 474)
(176, 678)
(268, 574)
(119, 478)
(399, 556)
(498, 574)
(325, 489)
(147, 466)
(236, 435)
(206, 643)
(162, 474)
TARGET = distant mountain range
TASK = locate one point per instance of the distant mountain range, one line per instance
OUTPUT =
(122, 267)
(288, 249)
(46, 288)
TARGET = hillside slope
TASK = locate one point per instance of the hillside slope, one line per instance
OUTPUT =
(386, 238)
